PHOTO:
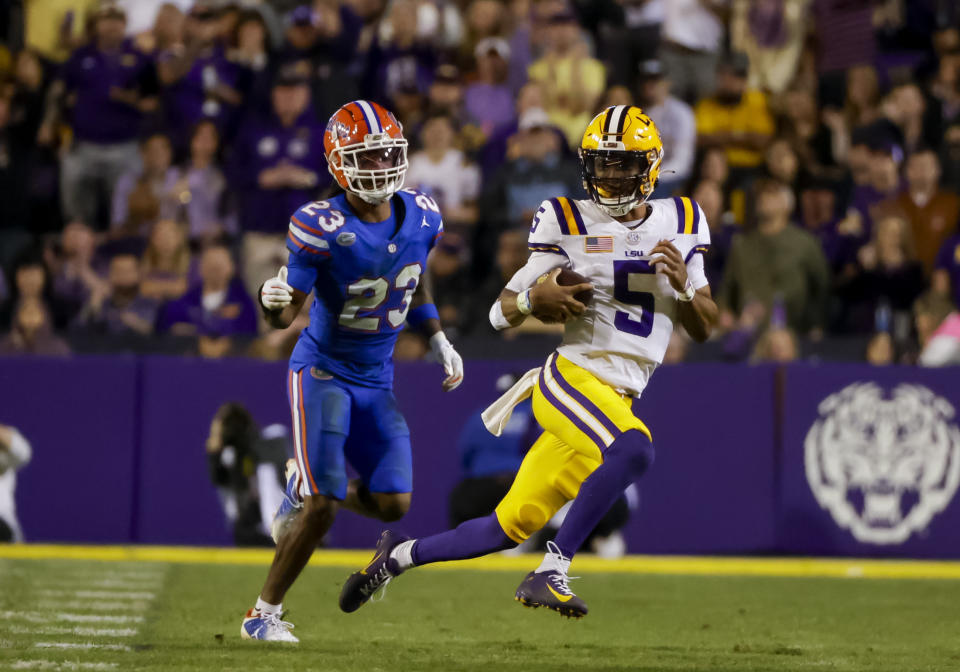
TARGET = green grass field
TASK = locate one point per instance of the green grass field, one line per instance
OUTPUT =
(181, 615)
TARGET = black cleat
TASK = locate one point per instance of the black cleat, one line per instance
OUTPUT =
(362, 585)
(550, 589)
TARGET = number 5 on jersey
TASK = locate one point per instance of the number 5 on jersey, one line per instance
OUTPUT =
(364, 311)
(624, 277)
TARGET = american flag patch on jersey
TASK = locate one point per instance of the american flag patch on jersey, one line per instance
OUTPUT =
(598, 244)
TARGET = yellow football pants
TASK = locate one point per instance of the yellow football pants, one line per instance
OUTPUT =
(580, 416)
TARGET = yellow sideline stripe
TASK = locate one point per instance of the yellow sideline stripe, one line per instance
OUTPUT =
(633, 564)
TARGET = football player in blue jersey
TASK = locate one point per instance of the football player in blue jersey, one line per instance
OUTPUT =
(362, 254)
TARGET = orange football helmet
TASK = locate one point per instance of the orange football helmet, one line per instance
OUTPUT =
(366, 151)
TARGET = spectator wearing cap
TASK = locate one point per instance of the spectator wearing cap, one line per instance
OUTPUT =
(771, 33)
(217, 305)
(278, 165)
(325, 36)
(536, 169)
(112, 85)
(199, 81)
(120, 308)
(693, 34)
(444, 172)
(678, 128)
(572, 80)
(488, 101)
(776, 264)
(399, 60)
(735, 118)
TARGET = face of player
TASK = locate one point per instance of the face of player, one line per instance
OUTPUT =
(618, 174)
(383, 158)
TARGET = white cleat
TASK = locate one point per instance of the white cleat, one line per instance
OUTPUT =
(290, 506)
(269, 628)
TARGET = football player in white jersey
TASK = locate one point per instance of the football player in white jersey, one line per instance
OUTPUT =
(643, 260)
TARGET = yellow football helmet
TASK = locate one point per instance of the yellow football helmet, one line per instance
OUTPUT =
(620, 157)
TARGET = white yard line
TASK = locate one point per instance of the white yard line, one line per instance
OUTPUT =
(89, 605)
(99, 594)
(42, 617)
(79, 631)
(60, 665)
(85, 646)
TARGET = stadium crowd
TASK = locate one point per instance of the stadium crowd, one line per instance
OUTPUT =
(151, 153)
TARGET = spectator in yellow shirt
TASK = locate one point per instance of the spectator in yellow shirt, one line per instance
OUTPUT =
(735, 118)
(572, 81)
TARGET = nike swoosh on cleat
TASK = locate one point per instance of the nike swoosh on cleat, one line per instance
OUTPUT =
(364, 570)
(562, 598)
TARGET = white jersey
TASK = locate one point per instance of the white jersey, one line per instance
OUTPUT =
(623, 335)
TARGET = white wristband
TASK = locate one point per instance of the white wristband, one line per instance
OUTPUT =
(497, 318)
(687, 294)
(523, 302)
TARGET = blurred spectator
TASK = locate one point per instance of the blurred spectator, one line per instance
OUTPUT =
(818, 215)
(443, 172)
(735, 118)
(777, 345)
(252, 43)
(950, 157)
(14, 231)
(278, 165)
(572, 80)
(488, 101)
(324, 35)
(32, 204)
(196, 192)
(508, 256)
(485, 19)
(31, 282)
(31, 332)
(845, 39)
(708, 195)
(15, 453)
(120, 309)
(137, 197)
(167, 30)
(862, 103)
(488, 463)
(449, 273)
(535, 170)
(888, 277)
(53, 29)
(782, 163)
(143, 15)
(821, 140)
(883, 171)
(777, 259)
(932, 213)
(111, 85)
(199, 81)
(399, 60)
(166, 262)
(906, 108)
(445, 95)
(674, 119)
(628, 33)
(945, 87)
(693, 35)
(616, 95)
(247, 465)
(880, 349)
(75, 278)
(771, 33)
(945, 279)
(217, 306)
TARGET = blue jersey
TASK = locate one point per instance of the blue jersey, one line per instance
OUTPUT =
(363, 276)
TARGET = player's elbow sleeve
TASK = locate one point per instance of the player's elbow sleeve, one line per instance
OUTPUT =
(497, 318)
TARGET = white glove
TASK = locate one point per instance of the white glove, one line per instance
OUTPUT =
(451, 360)
(276, 294)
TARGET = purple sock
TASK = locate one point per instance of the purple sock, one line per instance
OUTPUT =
(624, 461)
(470, 539)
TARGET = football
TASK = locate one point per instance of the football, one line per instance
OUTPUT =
(568, 277)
